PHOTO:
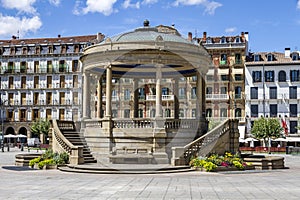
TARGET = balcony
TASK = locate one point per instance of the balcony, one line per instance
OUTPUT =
(217, 96)
(163, 97)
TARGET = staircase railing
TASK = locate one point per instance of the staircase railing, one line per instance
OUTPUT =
(62, 144)
(182, 155)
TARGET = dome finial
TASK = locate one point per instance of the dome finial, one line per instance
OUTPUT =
(146, 23)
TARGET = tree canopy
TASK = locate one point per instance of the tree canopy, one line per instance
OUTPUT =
(266, 128)
(41, 126)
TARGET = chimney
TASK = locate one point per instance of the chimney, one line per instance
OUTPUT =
(146, 23)
(246, 36)
(190, 36)
(287, 52)
(99, 37)
(204, 36)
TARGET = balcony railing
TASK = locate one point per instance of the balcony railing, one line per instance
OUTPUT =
(163, 97)
(217, 96)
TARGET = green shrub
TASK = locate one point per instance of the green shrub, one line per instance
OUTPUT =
(33, 161)
(46, 162)
(209, 166)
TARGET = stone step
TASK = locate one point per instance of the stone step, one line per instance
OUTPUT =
(95, 169)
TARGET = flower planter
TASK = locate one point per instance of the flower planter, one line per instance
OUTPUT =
(50, 167)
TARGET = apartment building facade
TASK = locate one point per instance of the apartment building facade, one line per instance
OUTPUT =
(41, 78)
(273, 87)
(225, 80)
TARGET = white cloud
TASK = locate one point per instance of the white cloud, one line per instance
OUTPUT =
(11, 25)
(210, 6)
(128, 4)
(298, 4)
(230, 30)
(105, 7)
(149, 1)
(54, 2)
(21, 5)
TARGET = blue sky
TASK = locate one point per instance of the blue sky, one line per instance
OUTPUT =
(272, 25)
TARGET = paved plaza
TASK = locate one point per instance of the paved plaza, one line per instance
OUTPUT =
(25, 183)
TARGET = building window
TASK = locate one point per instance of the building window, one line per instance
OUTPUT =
(127, 94)
(182, 93)
(295, 56)
(238, 58)
(223, 112)
(256, 76)
(167, 112)
(238, 77)
(293, 126)
(238, 92)
(273, 92)
(209, 77)
(209, 90)
(165, 91)
(238, 112)
(208, 40)
(294, 75)
(181, 113)
(256, 58)
(223, 59)
(193, 93)
(254, 110)
(127, 113)
(293, 110)
(114, 113)
(282, 76)
(254, 93)
(270, 57)
(224, 77)
(209, 112)
(293, 92)
(223, 40)
(152, 113)
(193, 112)
(269, 76)
(140, 113)
(141, 93)
(273, 110)
(223, 90)
(237, 40)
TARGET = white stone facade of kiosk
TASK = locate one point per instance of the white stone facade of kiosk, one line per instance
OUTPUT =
(155, 59)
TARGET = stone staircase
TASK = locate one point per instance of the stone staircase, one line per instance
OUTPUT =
(77, 140)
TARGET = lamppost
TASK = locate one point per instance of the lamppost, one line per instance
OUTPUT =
(2, 123)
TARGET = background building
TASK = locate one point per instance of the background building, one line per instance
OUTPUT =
(41, 78)
(225, 80)
(273, 87)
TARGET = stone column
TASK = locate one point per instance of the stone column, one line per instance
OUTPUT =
(200, 96)
(135, 98)
(108, 91)
(158, 100)
(86, 95)
(176, 99)
(99, 95)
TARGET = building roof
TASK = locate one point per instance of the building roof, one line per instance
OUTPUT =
(277, 58)
(150, 34)
(58, 39)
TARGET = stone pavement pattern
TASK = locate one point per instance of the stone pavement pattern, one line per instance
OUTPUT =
(18, 183)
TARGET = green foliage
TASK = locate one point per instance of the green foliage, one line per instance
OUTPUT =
(209, 166)
(212, 162)
(264, 128)
(50, 158)
(33, 161)
(212, 123)
(40, 126)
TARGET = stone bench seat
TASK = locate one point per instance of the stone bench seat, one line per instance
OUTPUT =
(131, 155)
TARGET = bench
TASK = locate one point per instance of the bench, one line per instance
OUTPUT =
(131, 156)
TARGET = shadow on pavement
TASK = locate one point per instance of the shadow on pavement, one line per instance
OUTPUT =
(18, 168)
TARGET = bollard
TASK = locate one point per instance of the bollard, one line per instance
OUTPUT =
(287, 150)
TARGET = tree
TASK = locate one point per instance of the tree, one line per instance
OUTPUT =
(266, 128)
(41, 126)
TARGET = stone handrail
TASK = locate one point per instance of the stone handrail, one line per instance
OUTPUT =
(61, 144)
(182, 155)
(133, 123)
